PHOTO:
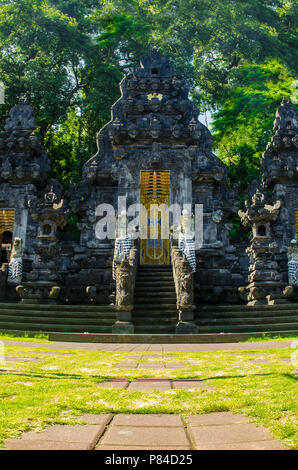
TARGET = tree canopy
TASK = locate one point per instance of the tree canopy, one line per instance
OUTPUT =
(68, 57)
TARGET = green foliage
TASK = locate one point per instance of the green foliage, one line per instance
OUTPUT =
(68, 56)
(243, 125)
(67, 60)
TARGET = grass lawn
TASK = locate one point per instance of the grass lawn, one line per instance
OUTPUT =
(63, 385)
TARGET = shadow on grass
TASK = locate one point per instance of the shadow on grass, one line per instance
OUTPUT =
(102, 378)
(287, 375)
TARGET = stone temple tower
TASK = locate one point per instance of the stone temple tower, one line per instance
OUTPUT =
(154, 150)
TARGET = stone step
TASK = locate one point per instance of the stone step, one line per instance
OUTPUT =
(160, 337)
(43, 327)
(155, 272)
(245, 308)
(157, 267)
(248, 328)
(154, 329)
(62, 307)
(248, 321)
(140, 306)
(154, 316)
(155, 283)
(57, 320)
(159, 297)
(154, 322)
(56, 314)
(152, 272)
(148, 301)
(248, 315)
(154, 289)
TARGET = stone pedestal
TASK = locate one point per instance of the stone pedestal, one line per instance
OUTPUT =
(186, 324)
(123, 324)
(38, 292)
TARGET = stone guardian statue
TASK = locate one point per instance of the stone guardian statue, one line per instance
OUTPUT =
(15, 266)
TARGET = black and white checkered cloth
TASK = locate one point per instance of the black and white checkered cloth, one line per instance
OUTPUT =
(187, 246)
(122, 247)
(293, 273)
(15, 270)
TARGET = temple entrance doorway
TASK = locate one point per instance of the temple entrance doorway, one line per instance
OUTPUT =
(6, 233)
(154, 221)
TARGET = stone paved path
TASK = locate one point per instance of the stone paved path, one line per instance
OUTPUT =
(154, 347)
(213, 431)
(155, 384)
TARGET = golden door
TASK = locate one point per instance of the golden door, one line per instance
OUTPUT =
(154, 220)
(6, 224)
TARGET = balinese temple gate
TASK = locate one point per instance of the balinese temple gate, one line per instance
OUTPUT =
(153, 152)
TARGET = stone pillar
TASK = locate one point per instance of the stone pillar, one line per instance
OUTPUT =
(183, 278)
(124, 297)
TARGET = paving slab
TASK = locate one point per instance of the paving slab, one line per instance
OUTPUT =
(22, 359)
(103, 419)
(146, 356)
(146, 385)
(258, 445)
(164, 420)
(59, 436)
(224, 417)
(35, 444)
(151, 365)
(58, 353)
(158, 447)
(126, 365)
(145, 436)
(175, 365)
(227, 434)
(114, 384)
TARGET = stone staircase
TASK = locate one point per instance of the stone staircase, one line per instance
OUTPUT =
(57, 318)
(155, 309)
(243, 319)
(155, 313)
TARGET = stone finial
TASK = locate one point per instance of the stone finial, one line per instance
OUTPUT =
(286, 116)
(155, 64)
(21, 117)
